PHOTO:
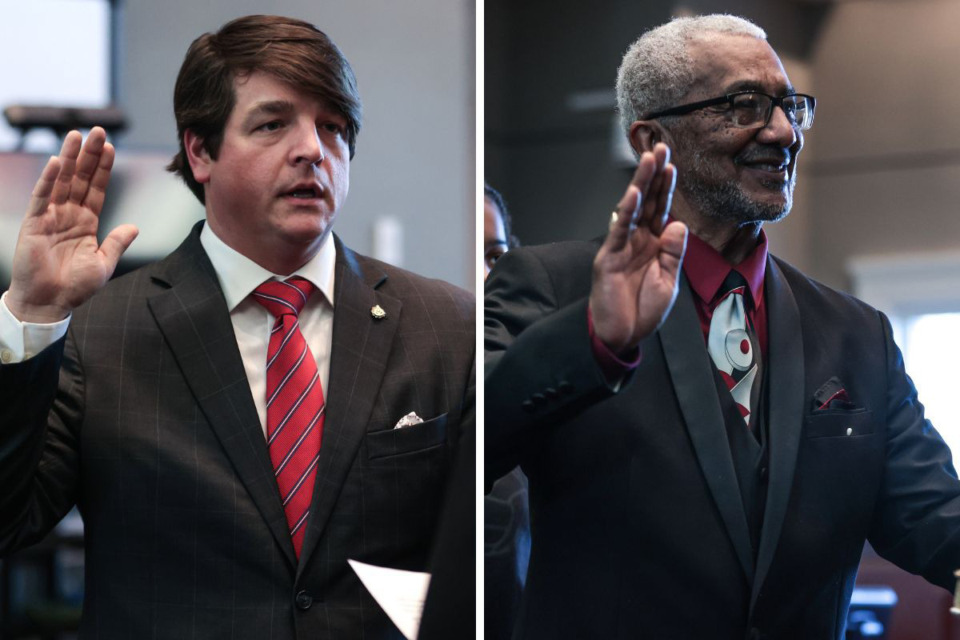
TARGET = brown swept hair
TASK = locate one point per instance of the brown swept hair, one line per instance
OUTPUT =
(290, 50)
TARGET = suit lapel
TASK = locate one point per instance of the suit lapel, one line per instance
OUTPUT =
(192, 315)
(690, 370)
(785, 393)
(358, 361)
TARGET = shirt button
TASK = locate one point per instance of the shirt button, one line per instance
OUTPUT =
(27, 355)
(304, 600)
(6, 356)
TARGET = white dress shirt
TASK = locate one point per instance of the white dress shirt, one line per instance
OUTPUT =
(238, 277)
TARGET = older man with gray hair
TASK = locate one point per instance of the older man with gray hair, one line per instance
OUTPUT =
(709, 435)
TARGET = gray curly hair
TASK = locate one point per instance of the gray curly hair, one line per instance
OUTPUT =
(657, 71)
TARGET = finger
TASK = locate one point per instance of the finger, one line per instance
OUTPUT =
(665, 199)
(116, 242)
(44, 187)
(97, 191)
(630, 203)
(87, 164)
(673, 244)
(655, 193)
(68, 164)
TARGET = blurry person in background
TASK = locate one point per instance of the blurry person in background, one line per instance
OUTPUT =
(497, 235)
(506, 512)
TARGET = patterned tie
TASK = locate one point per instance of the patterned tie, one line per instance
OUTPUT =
(295, 404)
(733, 345)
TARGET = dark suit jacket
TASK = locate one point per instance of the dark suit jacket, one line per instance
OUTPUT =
(154, 434)
(638, 527)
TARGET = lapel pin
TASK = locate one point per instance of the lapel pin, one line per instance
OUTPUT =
(377, 312)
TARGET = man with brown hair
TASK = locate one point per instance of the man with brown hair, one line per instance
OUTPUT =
(239, 419)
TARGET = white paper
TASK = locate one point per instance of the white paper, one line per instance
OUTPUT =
(400, 593)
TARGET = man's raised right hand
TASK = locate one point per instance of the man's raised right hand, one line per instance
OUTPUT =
(636, 273)
(58, 263)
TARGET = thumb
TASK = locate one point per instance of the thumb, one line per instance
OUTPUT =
(116, 242)
(673, 244)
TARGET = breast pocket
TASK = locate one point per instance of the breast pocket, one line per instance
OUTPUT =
(838, 424)
(407, 440)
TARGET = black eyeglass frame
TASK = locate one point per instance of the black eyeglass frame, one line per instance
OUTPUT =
(728, 99)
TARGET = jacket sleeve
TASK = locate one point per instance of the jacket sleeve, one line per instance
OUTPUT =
(539, 368)
(41, 405)
(917, 520)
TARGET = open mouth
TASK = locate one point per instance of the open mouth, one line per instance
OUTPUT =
(304, 193)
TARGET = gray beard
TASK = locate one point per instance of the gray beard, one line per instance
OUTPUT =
(724, 200)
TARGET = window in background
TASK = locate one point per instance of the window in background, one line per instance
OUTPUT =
(931, 348)
(921, 296)
(53, 52)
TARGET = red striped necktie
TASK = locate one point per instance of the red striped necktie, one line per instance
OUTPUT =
(295, 404)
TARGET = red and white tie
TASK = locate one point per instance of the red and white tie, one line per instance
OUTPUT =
(295, 404)
(732, 343)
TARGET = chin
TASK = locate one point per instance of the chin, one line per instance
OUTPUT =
(306, 228)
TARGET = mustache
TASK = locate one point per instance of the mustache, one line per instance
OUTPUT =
(764, 155)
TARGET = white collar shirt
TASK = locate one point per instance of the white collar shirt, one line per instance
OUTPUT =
(239, 276)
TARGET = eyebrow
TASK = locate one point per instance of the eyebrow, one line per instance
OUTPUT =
(753, 85)
(268, 107)
(494, 242)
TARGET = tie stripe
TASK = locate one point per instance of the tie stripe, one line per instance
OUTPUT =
(295, 402)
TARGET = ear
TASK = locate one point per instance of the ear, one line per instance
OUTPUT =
(198, 156)
(644, 134)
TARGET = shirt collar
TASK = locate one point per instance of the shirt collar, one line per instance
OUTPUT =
(239, 275)
(706, 269)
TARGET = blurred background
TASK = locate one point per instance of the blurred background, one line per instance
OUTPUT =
(412, 196)
(878, 193)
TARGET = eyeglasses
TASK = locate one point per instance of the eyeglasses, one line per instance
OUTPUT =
(752, 109)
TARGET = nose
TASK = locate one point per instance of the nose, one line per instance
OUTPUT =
(308, 148)
(780, 131)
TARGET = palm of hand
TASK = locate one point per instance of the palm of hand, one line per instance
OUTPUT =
(63, 265)
(58, 263)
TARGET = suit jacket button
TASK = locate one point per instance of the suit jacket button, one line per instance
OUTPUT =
(565, 388)
(304, 600)
(551, 392)
(538, 399)
(528, 406)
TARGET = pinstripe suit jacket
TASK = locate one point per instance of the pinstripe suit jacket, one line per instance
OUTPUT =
(153, 433)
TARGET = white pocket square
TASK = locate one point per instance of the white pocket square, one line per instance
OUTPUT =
(408, 420)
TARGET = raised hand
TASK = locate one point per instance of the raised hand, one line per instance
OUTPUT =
(636, 272)
(58, 263)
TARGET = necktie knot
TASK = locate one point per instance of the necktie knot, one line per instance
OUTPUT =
(284, 297)
(734, 283)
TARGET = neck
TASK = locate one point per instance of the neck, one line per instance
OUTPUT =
(732, 241)
(281, 258)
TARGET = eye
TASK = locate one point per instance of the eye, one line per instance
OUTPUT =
(273, 125)
(493, 255)
(746, 102)
(333, 127)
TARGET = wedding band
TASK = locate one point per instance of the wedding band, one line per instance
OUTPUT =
(613, 219)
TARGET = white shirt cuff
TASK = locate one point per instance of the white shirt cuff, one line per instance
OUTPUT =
(21, 341)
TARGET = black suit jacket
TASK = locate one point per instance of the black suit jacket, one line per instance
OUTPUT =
(637, 522)
(153, 432)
